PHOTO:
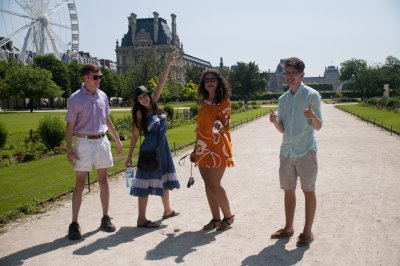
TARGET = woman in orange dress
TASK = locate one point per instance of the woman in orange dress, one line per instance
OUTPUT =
(213, 149)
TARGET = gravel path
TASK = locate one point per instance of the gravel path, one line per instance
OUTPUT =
(357, 220)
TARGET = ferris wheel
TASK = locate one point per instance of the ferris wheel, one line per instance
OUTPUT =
(38, 27)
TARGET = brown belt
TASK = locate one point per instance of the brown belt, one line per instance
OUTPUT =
(90, 136)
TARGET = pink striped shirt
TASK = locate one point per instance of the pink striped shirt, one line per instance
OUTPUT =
(88, 112)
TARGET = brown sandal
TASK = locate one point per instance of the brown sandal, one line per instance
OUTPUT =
(281, 233)
(225, 224)
(304, 240)
(214, 223)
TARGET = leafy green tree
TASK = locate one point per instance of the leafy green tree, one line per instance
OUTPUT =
(7, 66)
(148, 66)
(74, 76)
(58, 69)
(193, 73)
(351, 71)
(31, 82)
(225, 72)
(350, 68)
(190, 90)
(246, 79)
(392, 68)
(371, 80)
(109, 84)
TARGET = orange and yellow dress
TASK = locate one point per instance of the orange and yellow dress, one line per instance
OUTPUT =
(213, 150)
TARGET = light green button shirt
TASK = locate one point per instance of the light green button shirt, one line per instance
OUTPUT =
(299, 134)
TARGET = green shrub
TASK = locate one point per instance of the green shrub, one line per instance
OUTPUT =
(254, 105)
(51, 131)
(33, 137)
(194, 110)
(3, 134)
(29, 157)
(393, 103)
(169, 110)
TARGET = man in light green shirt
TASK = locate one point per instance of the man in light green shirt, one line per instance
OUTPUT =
(299, 115)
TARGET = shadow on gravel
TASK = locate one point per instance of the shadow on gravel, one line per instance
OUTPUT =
(18, 258)
(276, 254)
(123, 235)
(180, 245)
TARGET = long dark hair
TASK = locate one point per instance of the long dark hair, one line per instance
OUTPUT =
(137, 106)
(223, 90)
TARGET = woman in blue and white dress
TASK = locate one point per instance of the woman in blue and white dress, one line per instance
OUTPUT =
(151, 120)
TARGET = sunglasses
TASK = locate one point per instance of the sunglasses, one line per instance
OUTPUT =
(206, 80)
(96, 77)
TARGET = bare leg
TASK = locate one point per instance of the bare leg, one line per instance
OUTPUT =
(290, 207)
(311, 206)
(77, 194)
(216, 194)
(142, 201)
(213, 204)
(102, 175)
(165, 202)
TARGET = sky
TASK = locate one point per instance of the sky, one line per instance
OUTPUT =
(321, 33)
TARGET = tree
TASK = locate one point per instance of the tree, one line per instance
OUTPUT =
(58, 69)
(246, 79)
(190, 90)
(31, 82)
(74, 76)
(148, 66)
(392, 69)
(351, 71)
(225, 72)
(110, 83)
(350, 68)
(193, 73)
(371, 80)
(6, 66)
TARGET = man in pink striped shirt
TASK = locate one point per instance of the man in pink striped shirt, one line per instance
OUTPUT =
(88, 119)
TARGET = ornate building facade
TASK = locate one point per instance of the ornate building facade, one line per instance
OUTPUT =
(153, 33)
(277, 79)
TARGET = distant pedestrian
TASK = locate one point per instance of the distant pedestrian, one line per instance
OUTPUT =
(299, 115)
(150, 120)
(213, 149)
(88, 119)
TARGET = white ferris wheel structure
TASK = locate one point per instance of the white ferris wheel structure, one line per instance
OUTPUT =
(38, 27)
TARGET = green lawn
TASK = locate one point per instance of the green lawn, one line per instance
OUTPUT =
(30, 183)
(382, 117)
(19, 123)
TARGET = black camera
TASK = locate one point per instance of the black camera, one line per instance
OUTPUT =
(190, 182)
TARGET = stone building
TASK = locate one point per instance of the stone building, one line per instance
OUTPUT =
(277, 78)
(153, 33)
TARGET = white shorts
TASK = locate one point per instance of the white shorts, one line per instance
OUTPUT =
(91, 152)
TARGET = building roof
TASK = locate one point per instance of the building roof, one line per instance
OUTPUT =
(146, 24)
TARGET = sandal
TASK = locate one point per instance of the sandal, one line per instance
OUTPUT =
(225, 225)
(172, 214)
(148, 224)
(281, 233)
(214, 223)
(304, 240)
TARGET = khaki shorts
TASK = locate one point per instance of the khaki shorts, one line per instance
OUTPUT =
(305, 167)
(91, 152)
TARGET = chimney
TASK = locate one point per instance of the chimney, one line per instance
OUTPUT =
(155, 26)
(173, 16)
(132, 21)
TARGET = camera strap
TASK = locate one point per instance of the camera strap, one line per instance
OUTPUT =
(181, 162)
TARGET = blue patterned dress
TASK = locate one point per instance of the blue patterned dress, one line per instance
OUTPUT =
(154, 183)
